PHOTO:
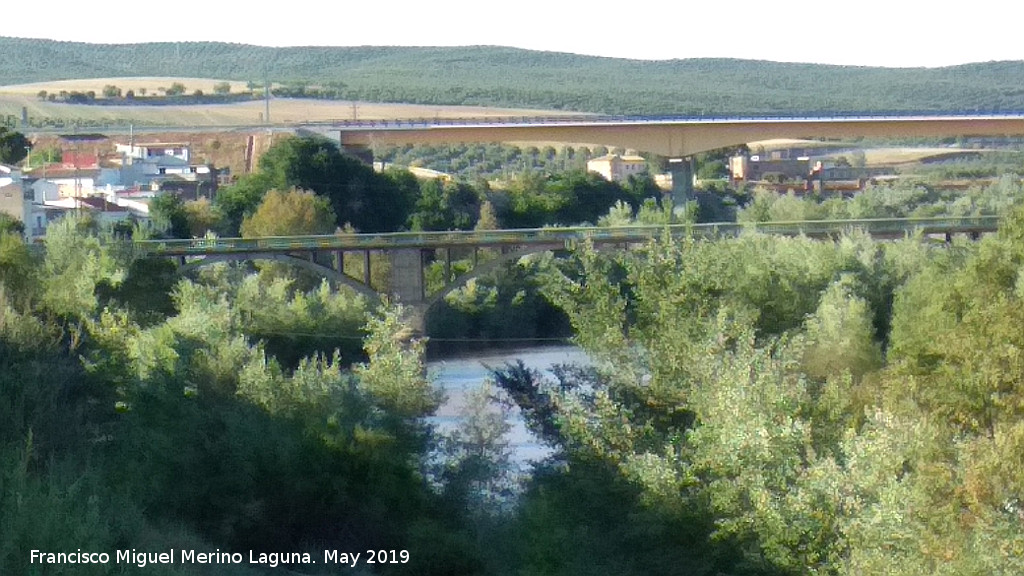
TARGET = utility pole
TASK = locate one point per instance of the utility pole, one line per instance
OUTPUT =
(266, 92)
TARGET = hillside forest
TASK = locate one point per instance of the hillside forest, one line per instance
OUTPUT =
(508, 77)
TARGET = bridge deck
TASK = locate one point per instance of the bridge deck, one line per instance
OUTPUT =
(887, 228)
(674, 137)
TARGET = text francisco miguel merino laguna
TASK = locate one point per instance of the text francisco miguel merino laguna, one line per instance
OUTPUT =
(270, 559)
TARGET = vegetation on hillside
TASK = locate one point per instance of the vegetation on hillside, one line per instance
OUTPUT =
(496, 76)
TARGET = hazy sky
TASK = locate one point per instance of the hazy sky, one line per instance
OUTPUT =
(866, 32)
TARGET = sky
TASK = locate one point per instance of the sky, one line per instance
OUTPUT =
(894, 33)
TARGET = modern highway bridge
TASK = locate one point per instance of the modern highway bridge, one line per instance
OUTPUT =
(676, 138)
(410, 252)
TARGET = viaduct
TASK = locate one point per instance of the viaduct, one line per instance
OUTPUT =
(675, 138)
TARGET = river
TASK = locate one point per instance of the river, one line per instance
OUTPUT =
(460, 374)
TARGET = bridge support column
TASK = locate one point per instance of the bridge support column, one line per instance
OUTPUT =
(681, 170)
(407, 284)
(415, 317)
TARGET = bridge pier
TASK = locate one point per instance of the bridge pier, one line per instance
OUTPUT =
(681, 170)
(407, 285)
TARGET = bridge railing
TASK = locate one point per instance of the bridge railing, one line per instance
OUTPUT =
(555, 236)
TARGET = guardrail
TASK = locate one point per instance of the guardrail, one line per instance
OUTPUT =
(891, 227)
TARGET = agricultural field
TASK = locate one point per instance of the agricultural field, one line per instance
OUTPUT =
(141, 85)
(282, 110)
(874, 154)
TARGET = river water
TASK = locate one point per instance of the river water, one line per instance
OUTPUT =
(458, 375)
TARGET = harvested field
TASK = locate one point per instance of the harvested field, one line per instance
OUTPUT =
(249, 113)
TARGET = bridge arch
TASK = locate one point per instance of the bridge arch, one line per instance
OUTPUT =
(477, 271)
(318, 269)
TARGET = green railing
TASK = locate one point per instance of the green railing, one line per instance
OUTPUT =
(890, 227)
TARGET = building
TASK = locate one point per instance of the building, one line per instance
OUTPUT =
(155, 152)
(15, 199)
(754, 169)
(72, 182)
(22, 199)
(616, 168)
(158, 164)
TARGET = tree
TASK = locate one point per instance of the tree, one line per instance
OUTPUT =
(295, 212)
(841, 335)
(445, 206)
(16, 265)
(10, 225)
(859, 159)
(42, 94)
(357, 194)
(111, 91)
(176, 89)
(13, 146)
(168, 213)
(240, 200)
(202, 217)
(222, 88)
(487, 220)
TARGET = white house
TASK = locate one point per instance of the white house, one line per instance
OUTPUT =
(150, 164)
(155, 151)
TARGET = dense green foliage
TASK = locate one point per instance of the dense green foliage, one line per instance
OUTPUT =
(848, 407)
(14, 146)
(757, 405)
(355, 193)
(901, 199)
(484, 75)
(211, 423)
(353, 190)
(293, 212)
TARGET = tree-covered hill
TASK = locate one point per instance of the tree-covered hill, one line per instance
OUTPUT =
(487, 75)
